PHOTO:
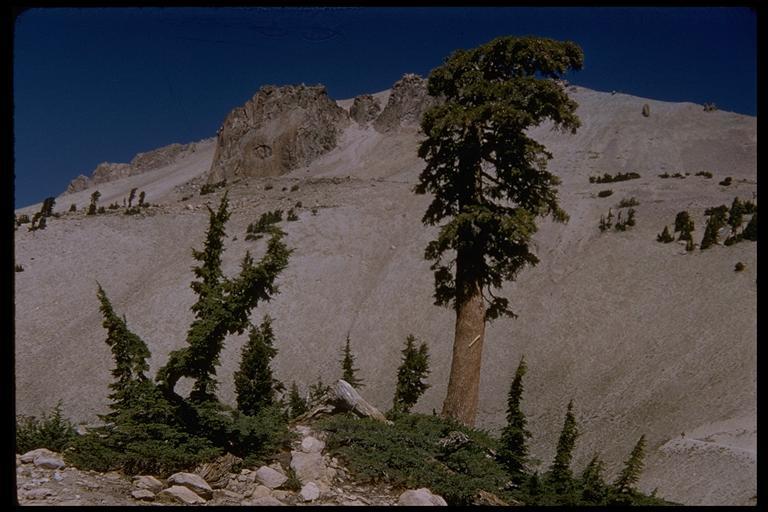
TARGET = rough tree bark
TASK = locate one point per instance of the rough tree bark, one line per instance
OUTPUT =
(342, 398)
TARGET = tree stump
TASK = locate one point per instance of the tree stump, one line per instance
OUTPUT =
(342, 397)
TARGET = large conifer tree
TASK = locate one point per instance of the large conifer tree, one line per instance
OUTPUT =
(490, 182)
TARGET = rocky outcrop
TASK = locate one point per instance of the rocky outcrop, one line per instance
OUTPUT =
(420, 498)
(279, 129)
(141, 163)
(364, 108)
(407, 103)
(193, 482)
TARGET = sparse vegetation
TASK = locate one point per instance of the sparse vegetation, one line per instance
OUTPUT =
(664, 175)
(209, 188)
(294, 188)
(53, 431)
(265, 225)
(605, 193)
(296, 404)
(72, 208)
(706, 174)
(39, 220)
(665, 236)
(92, 206)
(750, 231)
(18, 268)
(22, 219)
(628, 202)
(716, 221)
(726, 182)
(269, 186)
(513, 449)
(411, 376)
(292, 216)
(348, 370)
(710, 107)
(739, 267)
(608, 178)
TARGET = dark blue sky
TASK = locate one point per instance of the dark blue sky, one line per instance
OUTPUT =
(94, 85)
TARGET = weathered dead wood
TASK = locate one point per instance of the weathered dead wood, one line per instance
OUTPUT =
(342, 397)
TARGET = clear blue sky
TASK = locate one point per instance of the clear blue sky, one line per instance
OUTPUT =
(94, 85)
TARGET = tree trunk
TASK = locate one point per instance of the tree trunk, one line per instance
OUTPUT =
(464, 381)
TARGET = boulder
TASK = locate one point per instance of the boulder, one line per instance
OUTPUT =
(148, 482)
(270, 477)
(420, 498)
(364, 108)
(143, 494)
(278, 130)
(308, 466)
(260, 491)
(180, 494)
(309, 492)
(29, 456)
(312, 445)
(193, 482)
(45, 462)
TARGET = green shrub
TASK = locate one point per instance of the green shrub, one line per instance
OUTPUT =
(605, 193)
(664, 175)
(296, 404)
(73, 207)
(750, 231)
(409, 453)
(22, 219)
(292, 217)
(665, 236)
(706, 174)
(52, 431)
(314, 211)
(18, 268)
(209, 188)
(265, 225)
(678, 175)
(411, 375)
(726, 182)
(739, 267)
(294, 188)
(608, 178)
(348, 370)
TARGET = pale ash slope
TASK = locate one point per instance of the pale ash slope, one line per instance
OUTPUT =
(644, 338)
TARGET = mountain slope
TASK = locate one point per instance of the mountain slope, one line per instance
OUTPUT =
(645, 337)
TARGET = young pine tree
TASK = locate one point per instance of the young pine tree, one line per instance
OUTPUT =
(131, 196)
(94, 199)
(349, 372)
(296, 404)
(683, 222)
(411, 376)
(625, 483)
(736, 215)
(664, 236)
(254, 383)
(714, 223)
(142, 195)
(513, 452)
(560, 475)
(593, 488)
(316, 392)
(750, 231)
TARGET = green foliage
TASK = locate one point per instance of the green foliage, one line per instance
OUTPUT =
(488, 178)
(624, 485)
(664, 175)
(409, 453)
(706, 174)
(53, 431)
(73, 207)
(605, 193)
(209, 188)
(265, 225)
(292, 216)
(594, 490)
(131, 196)
(92, 206)
(683, 222)
(348, 370)
(101, 210)
(748, 207)
(296, 404)
(628, 202)
(316, 392)
(39, 218)
(223, 305)
(665, 236)
(22, 219)
(726, 182)
(678, 175)
(608, 178)
(513, 450)
(739, 267)
(750, 231)
(736, 214)
(717, 220)
(689, 245)
(142, 196)
(113, 206)
(18, 268)
(559, 475)
(293, 483)
(411, 376)
(255, 385)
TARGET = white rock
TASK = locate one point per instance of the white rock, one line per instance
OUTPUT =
(270, 477)
(267, 501)
(43, 461)
(57, 476)
(260, 491)
(310, 492)
(181, 494)
(30, 455)
(143, 494)
(312, 445)
(148, 482)
(193, 482)
(419, 498)
(308, 466)
(39, 493)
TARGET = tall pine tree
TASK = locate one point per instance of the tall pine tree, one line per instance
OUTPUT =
(411, 375)
(593, 487)
(255, 385)
(560, 475)
(348, 370)
(513, 453)
(633, 467)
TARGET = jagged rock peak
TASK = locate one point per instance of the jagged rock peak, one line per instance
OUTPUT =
(364, 108)
(279, 129)
(407, 103)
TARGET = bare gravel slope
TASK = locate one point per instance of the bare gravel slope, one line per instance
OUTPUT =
(643, 336)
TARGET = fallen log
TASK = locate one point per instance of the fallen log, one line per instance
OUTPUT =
(342, 397)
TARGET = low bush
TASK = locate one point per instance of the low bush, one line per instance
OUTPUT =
(739, 267)
(269, 186)
(22, 219)
(209, 188)
(265, 225)
(294, 188)
(608, 178)
(726, 182)
(605, 193)
(665, 236)
(73, 207)
(706, 174)
(19, 268)
(292, 217)
(664, 175)
(628, 202)
(52, 431)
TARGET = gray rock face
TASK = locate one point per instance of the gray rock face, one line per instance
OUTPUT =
(421, 498)
(310, 492)
(143, 494)
(181, 494)
(78, 184)
(407, 103)
(159, 157)
(308, 466)
(269, 477)
(364, 108)
(279, 129)
(312, 445)
(42, 461)
(193, 482)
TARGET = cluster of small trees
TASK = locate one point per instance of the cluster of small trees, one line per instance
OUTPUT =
(265, 225)
(606, 222)
(39, 219)
(608, 178)
(710, 107)
(678, 175)
(209, 188)
(706, 174)
(718, 218)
